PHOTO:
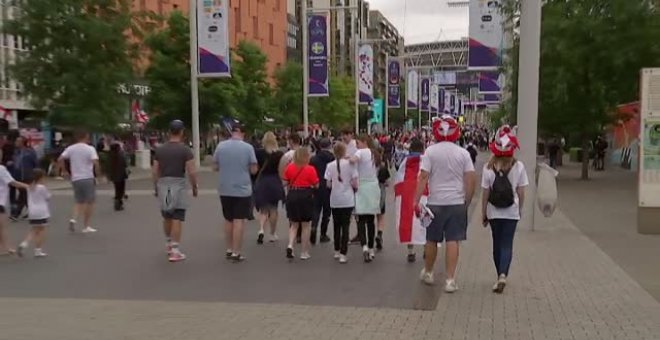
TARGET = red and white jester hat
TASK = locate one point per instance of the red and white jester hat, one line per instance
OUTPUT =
(446, 129)
(504, 143)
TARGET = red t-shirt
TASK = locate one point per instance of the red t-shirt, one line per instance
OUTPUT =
(305, 178)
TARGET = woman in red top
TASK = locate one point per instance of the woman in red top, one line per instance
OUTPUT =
(301, 179)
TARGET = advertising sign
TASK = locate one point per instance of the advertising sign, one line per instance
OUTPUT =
(445, 78)
(486, 35)
(426, 97)
(441, 100)
(649, 167)
(366, 74)
(318, 55)
(452, 103)
(491, 82)
(433, 105)
(213, 39)
(412, 90)
(394, 84)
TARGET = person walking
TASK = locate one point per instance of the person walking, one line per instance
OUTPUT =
(268, 191)
(118, 174)
(235, 160)
(38, 215)
(24, 162)
(341, 178)
(6, 181)
(448, 171)
(383, 178)
(301, 179)
(367, 199)
(322, 193)
(84, 167)
(174, 160)
(503, 182)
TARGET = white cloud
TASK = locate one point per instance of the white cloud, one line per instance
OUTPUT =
(424, 20)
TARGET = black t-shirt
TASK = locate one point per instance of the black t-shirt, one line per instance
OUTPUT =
(273, 158)
(172, 158)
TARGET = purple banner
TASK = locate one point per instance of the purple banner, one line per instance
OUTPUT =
(394, 84)
(490, 82)
(366, 74)
(452, 104)
(424, 102)
(441, 101)
(318, 56)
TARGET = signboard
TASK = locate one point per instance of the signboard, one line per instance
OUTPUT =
(426, 97)
(441, 100)
(452, 103)
(649, 167)
(394, 84)
(213, 39)
(433, 105)
(491, 82)
(445, 78)
(366, 74)
(447, 107)
(412, 90)
(318, 55)
(378, 110)
(486, 35)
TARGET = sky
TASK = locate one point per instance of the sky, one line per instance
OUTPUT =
(424, 20)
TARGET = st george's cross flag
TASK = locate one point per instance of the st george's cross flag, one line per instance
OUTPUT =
(408, 225)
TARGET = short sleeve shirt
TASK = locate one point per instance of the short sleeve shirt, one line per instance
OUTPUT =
(5, 179)
(301, 178)
(172, 158)
(82, 157)
(234, 158)
(342, 194)
(518, 178)
(38, 197)
(446, 164)
(365, 164)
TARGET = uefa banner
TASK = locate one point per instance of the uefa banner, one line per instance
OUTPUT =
(412, 90)
(318, 55)
(491, 82)
(452, 104)
(394, 84)
(460, 107)
(441, 101)
(446, 107)
(212, 39)
(425, 90)
(366, 74)
(433, 103)
(486, 32)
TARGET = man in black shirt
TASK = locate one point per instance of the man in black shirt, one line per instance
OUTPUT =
(322, 195)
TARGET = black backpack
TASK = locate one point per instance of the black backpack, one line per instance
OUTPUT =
(501, 192)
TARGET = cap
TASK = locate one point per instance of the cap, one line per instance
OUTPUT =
(446, 128)
(325, 143)
(177, 125)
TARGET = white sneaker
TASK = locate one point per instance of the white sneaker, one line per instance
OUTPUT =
(305, 256)
(39, 253)
(498, 287)
(89, 230)
(450, 286)
(72, 225)
(372, 253)
(273, 238)
(343, 259)
(426, 277)
(337, 255)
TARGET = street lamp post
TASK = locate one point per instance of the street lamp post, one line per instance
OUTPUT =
(194, 92)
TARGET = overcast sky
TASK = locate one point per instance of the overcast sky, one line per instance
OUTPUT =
(424, 20)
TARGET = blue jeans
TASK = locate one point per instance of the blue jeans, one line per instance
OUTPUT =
(503, 232)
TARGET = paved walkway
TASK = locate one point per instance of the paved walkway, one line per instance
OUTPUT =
(562, 286)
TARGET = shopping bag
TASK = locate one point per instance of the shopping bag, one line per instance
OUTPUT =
(546, 194)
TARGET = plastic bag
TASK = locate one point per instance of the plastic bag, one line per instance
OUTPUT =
(546, 194)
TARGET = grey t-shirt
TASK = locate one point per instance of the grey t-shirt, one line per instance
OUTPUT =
(172, 158)
(234, 158)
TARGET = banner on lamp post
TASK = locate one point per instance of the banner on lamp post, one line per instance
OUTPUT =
(441, 101)
(452, 104)
(433, 103)
(486, 32)
(366, 74)
(425, 91)
(317, 26)
(447, 99)
(394, 84)
(412, 90)
(213, 39)
(491, 82)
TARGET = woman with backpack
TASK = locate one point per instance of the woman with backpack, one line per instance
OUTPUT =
(503, 183)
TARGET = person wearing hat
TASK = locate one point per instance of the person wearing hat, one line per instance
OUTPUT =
(322, 193)
(503, 182)
(172, 162)
(448, 171)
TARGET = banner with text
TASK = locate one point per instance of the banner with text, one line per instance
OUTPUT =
(394, 84)
(441, 101)
(491, 82)
(486, 35)
(318, 55)
(366, 74)
(412, 90)
(212, 39)
(433, 105)
(425, 90)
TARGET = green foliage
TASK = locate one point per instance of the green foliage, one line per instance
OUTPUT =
(287, 95)
(251, 88)
(338, 109)
(79, 53)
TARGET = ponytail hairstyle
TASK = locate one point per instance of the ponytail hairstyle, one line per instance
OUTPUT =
(340, 152)
(376, 155)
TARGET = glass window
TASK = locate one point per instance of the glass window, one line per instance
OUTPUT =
(271, 35)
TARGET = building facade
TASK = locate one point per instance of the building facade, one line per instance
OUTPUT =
(387, 42)
(293, 39)
(11, 98)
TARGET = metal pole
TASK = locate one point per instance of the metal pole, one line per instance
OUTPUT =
(194, 92)
(387, 92)
(305, 61)
(357, 85)
(528, 99)
(405, 95)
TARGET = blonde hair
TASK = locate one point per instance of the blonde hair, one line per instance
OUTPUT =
(270, 142)
(501, 163)
(301, 156)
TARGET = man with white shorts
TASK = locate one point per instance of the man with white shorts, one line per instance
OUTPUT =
(84, 166)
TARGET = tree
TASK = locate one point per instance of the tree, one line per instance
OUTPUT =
(287, 95)
(78, 54)
(252, 94)
(338, 108)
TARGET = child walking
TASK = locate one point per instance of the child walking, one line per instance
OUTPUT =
(341, 177)
(38, 214)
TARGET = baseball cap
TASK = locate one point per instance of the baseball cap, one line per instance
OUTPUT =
(177, 126)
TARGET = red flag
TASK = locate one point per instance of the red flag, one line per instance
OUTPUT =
(409, 226)
(138, 114)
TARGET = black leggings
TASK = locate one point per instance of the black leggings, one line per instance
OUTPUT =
(366, 230)
(120, 190)
(341, 220)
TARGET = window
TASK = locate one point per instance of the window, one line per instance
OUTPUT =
(255, 27)
(271, 35)
(237, 22)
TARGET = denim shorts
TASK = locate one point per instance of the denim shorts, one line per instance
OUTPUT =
(449, 223)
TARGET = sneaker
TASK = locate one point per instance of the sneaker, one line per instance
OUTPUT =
(343, 259)
(372, 254)
(379, 243)
(88, 230)
(325, 239)
(412, 258)
(177, 256)
(260, 238)
(367, 257)
(39, 253)
(238, 258)
(20, 249)
(168, 246)
(337, 255)
(427, 277)
(72, 225)
(273, 238)
(450, 286)
(228, 254)
(305, 256)
(289, 253)
(498, 288)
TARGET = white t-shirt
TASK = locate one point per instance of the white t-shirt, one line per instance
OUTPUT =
(82, 157)
(365, 164)
(5, 179)
(446, 164)
(341, 194)
(518, 178)
(351, 148)
(38, 197)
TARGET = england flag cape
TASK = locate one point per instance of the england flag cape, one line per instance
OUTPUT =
(408, 225)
